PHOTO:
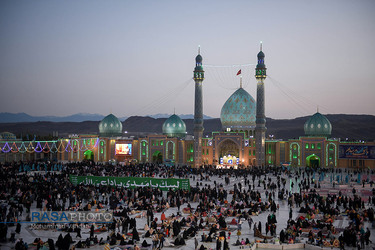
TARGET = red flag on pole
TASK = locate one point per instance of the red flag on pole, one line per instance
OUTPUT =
(239, 72)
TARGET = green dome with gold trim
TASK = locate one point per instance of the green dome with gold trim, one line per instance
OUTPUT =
(110, 126)
(174, 126)
(239, 111)
(318, 125)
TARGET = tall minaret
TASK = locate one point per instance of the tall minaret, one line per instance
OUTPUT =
(198, 110)
(260, 128)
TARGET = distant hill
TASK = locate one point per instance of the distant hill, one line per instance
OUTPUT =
(80, 117)
(48, 128)
(23, 117)
(344, 126)
(359, 127)
(182, 116)
(152, 125)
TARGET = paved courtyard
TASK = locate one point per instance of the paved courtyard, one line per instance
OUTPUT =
(28, 233)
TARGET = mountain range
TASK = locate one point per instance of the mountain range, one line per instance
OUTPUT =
(80, 117)
(353, 127)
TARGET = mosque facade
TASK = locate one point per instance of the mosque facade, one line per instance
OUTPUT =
(240, 143)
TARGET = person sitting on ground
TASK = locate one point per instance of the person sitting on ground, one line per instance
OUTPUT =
(88, 242)
(202, 247)
(51, 244)
(145, 244)
(113, 240)
(118, 236)
(179, 240)
(101, 241)
(237, 243)
(122, 242)
(204, 237)
(79, 244)
(20, 244)
(149, 232)
(247, 241)
(36, 240)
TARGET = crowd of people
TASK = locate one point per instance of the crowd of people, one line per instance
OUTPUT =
(213, 208)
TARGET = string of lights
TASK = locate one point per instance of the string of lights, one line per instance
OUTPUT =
(167, 97)
(293, 101)
(228, 66)
(301, 100)
(227, 77)
(49, 146)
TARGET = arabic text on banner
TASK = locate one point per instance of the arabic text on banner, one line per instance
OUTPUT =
(132, 182)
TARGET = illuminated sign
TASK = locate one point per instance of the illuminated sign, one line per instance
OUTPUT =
(123, 149)
(356, 152)
(229, 160)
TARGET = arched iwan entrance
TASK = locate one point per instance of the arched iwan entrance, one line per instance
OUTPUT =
(88, 155)
(313, 161)
(157, 157)
(229, 153)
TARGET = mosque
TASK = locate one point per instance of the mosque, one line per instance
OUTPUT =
(240, 143)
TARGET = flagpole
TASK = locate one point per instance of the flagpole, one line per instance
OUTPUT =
(239, 73)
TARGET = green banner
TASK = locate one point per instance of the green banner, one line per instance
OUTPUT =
(131, 182)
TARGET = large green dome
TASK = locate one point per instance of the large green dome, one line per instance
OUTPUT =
(174, 127)
(318, 125)
(110, 126)
(7, 136)
(239, 111)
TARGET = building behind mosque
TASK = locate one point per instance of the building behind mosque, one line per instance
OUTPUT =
(240, 143)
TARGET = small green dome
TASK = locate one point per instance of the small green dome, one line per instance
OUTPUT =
(110, 126)
(7, 136)
(318, 125)
(261, 64)
(261, 54)
(174, 127)
(239, 111)
(198, 63)
(198, 58)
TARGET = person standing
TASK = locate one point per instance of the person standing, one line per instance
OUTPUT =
(250, 221)
(255, 229)
(226, 246)
(162, 217)
(161, 241)
(218, 244)
(367, 236)
(18, 228)
(149, 216)
(290, 213)
(92, 231)
(155, 241)
(78, 229)
(125, 225)
(238, 234)
(239, 224)
(135, 234)
(178, 203)
(260, 227)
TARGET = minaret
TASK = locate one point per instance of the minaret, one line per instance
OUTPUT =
(198, 110)
(260, 128)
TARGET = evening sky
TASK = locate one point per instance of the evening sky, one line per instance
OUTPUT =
(137, 57)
